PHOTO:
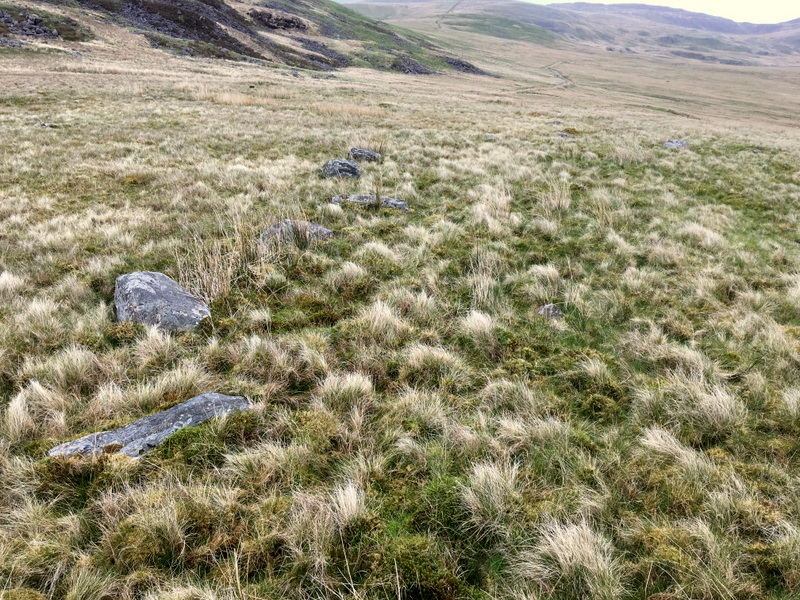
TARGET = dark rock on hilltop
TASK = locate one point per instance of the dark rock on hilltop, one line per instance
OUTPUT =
(145, 434)
(156, 300)
(291, 230)
(364, 155)
(341, 168)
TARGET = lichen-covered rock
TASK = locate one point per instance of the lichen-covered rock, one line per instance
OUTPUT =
(145, 434)
(551, 311)
(154, 299)
(364, 155)
(676, 144)
(290, 230)
(341, 168)
(369, 200)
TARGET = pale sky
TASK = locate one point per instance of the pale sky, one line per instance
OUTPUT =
(746, 11)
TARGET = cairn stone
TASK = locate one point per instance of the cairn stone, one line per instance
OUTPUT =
(290, 230)
(364, 155)
(156, 300)
(145, 434)
(369, 200)
(551, 311)
(676, 144)
(341, 168)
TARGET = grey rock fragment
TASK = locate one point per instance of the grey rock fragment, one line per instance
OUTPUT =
(556, 122)
(369, 200)
(489, 137)
(341, 168)
(364, 155)
(154, 299)
(676, 144)
(564, 134)
(757, 150)
(551, 311)
(145, 434)
(290, 230)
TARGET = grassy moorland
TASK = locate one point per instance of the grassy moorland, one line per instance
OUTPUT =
(419, 431)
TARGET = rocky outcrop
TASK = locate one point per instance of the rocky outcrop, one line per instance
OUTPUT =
(145, 434)
(341, 168)
(551, 311)
(369, 200)
(156, 300)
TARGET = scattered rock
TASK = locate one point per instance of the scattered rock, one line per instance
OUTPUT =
(677, 144)
(462, 66)
(341, 168)
(489, 137)
(272, 20)
(564, 134)
(50, 125)
(362, 154)
(369, 200)
(289, 230)
(757, 150)
(407, 65)
(156, 300)
(145, 434)
(26, 24)
(555, 122)
(551, 311)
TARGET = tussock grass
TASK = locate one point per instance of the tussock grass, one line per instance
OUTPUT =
(420, 431)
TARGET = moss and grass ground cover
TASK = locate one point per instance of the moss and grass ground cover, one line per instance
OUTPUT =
(419, 430)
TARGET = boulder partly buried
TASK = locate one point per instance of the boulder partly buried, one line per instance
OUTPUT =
(551, 311)
(154, 299)
(341, 168)
(676, 144)
(369, 200)
(145, 434)
(364, 155)
(291, 230)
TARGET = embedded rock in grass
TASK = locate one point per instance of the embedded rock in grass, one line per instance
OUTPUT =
(292, 230)
(678, 144)
(362, 154)
(369, 200)
(551, 311)
(341, 168)
(489, 137)
(145, 434)
(154, 299)
(564, 134)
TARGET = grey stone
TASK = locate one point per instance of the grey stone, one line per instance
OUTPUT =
(551, 311)
(156, 300)
(290, 230)
(369, 200)
(145, 434)
(489, 137)
(362, 154)
(757, 150)
(564, 134)
(556, 122)
(341, 168)
(677, 144)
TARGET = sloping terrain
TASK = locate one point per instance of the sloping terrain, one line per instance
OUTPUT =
(313, 34)
(623, 28)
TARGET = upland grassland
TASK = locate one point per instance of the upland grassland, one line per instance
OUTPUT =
(419, 430)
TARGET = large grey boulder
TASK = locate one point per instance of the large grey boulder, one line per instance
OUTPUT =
(145, 434)
(362, 154)
(154, 299)
(291, 230)
(676, 144)
(369, 200)
(341, 168)
(551, 311)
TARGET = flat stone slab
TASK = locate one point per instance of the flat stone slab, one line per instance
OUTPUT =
(291, 229)
(551, 311)
(156, 300)
(364, 155)
(369, 200)
(341, 168)
(145, 434)
(676, 144)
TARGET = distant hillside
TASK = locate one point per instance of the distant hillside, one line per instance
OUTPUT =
(631, 28)
(312, 34)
